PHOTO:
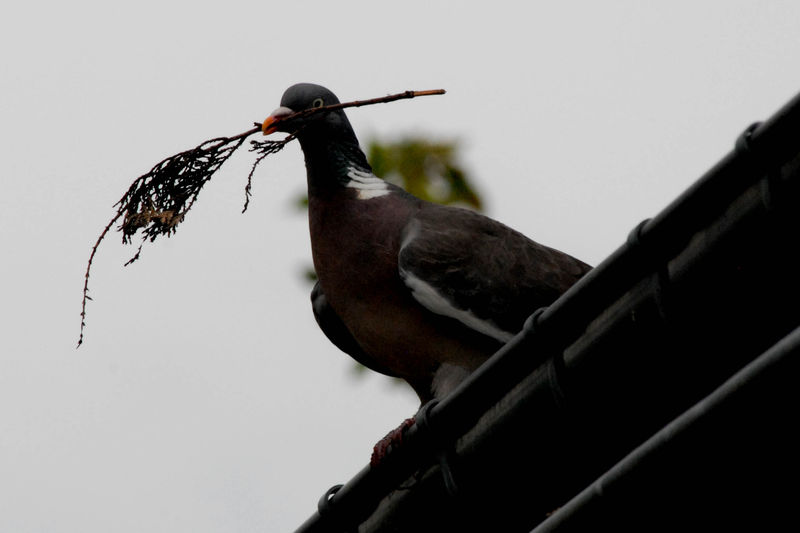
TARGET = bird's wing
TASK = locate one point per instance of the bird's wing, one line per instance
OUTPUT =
(333, 328)
(465, 266)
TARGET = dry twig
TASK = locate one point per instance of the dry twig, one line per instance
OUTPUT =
(157, 201)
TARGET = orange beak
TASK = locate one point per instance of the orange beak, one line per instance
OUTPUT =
(271, 124)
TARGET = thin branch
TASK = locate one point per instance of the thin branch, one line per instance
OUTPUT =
(86, 296)
(358, 103)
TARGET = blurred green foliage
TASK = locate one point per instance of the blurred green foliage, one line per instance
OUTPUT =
(427, 169)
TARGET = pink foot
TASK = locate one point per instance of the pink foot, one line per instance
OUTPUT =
(392, 441)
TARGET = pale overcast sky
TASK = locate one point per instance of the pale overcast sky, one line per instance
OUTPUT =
(204, 398)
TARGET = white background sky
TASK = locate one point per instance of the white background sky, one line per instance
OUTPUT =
(204, 398)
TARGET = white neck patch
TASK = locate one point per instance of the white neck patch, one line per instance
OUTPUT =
(366, 184)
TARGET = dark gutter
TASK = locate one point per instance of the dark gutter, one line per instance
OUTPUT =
(727, 463)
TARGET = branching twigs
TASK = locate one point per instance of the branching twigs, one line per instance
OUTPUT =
(263, 148)
(156, 202)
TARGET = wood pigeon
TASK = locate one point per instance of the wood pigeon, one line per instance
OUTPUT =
(411, 289)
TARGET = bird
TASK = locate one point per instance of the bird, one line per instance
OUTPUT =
(409, 288)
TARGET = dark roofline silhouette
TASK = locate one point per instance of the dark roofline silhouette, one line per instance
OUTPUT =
(641, 343)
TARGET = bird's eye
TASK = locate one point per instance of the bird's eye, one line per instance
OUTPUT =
(318, 102)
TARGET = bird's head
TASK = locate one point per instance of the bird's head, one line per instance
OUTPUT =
(326, 137)
(301, 97)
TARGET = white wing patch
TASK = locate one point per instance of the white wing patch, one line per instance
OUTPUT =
(430, 298)
(433, 301)
(367, 184)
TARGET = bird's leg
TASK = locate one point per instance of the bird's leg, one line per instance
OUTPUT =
(395, 438)
(392, 441)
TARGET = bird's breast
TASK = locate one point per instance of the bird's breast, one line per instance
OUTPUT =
(355, 244)
(355, 241)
